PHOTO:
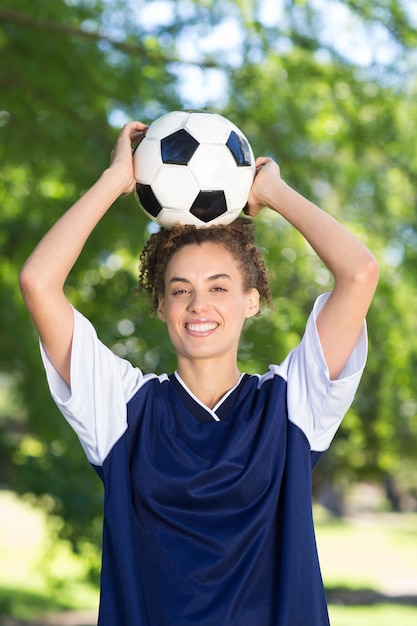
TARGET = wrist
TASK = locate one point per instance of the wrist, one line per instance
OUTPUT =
(118, 180)
(273, 195)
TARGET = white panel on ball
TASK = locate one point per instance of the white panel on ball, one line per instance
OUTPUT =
(148, 161)
(167, 124)
(213, 167)
(238, 193)
(169, 217)
(175, 187)
(208, 127)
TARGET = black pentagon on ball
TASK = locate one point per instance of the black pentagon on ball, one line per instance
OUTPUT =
(240, 149)
(178, 148)
(148, 199)
(208, 205)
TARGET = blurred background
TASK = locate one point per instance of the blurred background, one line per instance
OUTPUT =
(327, 88)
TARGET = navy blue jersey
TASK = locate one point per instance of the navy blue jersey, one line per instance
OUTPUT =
(207, 513)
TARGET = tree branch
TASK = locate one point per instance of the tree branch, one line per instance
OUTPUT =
(29, 21)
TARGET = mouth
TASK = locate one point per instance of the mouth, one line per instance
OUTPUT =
(201, 328)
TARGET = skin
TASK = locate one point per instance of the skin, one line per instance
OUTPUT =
(204, 307)
(354, 268)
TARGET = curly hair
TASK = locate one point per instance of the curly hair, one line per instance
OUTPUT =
(238, 238)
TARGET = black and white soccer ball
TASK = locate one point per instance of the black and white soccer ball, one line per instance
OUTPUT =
(193, 168)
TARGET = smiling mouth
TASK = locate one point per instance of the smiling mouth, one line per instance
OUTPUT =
(204, 327)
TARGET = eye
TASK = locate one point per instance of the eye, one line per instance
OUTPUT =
(219, 289)
(180, 292)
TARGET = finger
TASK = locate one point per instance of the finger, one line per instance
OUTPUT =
(261, 161)
(137, 135)
(131, 128)
(138, 131)
(135, 125)
(251, 209)
(136, 139)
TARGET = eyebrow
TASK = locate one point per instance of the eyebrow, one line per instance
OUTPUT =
(178, 279)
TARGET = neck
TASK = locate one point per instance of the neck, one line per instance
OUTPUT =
(209, 381)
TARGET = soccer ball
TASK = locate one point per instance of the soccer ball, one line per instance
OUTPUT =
(193, 168)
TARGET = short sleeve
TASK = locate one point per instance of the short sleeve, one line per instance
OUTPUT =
(317, 404)
(101, 386)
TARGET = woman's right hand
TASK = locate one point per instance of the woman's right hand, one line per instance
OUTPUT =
(130, 136)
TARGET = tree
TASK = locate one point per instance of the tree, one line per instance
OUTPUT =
(342, 134)
(62, 81)
(342, 128)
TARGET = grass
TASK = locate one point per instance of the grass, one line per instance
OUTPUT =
(37, 576)
(381, 615)
(369, 567)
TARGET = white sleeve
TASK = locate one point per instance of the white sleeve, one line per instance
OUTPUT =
(317, 404)
(101, 386)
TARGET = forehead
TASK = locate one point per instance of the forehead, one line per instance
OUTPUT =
(204, 259)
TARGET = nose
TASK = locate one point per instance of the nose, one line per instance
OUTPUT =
(197, 302)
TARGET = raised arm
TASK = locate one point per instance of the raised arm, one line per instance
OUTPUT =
(353, 266)
(44, 274)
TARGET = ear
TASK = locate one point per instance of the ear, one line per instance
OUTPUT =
(253, 302)
(161, 309)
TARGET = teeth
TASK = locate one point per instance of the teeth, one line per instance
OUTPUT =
(201, 327)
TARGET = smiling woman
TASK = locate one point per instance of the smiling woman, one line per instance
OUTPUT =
(238, 239)
(204, 305)
(207, 470)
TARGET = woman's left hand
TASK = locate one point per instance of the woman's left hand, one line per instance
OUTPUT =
(263, 189)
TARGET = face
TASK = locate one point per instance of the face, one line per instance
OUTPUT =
(204, 304)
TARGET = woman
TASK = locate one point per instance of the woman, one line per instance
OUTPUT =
(207, 472)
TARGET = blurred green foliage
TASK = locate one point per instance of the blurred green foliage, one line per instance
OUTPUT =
(339, 119)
